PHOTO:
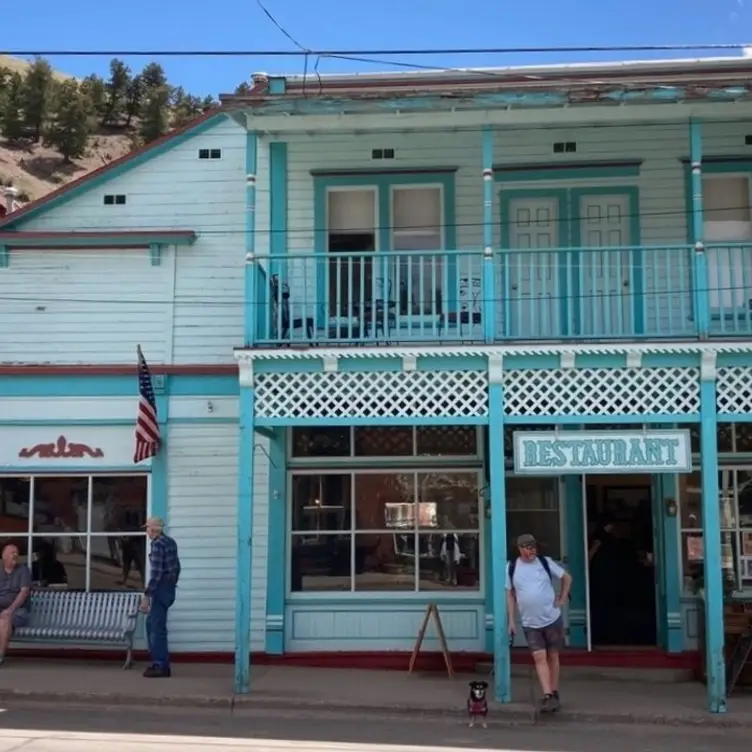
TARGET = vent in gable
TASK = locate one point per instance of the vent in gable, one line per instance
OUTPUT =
(210, 153)
(382, 154)
(748, 139)
(114, 199)
(561, 147)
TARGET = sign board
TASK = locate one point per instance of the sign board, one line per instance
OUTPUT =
(602, 452)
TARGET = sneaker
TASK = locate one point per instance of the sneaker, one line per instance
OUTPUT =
(157, 672)
(555, 701)
(547, 704)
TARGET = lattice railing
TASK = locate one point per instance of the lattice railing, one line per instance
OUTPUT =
(403, 394)
(734, 390)
(602, 391)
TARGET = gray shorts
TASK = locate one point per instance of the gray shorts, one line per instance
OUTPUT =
(546, 638)
(20, 619)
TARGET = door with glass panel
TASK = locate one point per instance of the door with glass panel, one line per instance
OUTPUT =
(533, 507)
(418, 276)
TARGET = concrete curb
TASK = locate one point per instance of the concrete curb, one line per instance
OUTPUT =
(508, 715)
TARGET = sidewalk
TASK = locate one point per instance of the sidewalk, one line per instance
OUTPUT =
(586, 698)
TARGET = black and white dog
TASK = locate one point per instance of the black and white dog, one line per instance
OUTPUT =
(477, 705)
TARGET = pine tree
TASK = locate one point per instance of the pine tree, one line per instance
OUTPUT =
(11, 108)
(133, 100)
(71, 122)
(242, 90)
(37, 96)
(155, 115)
(94, 87)
(117, 90)
(153, 77)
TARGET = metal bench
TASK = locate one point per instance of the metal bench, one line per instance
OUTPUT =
(61, 616)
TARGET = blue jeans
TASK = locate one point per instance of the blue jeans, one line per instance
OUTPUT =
(156, 624)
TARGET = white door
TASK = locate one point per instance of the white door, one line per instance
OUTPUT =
(605, 303)
(531, 295)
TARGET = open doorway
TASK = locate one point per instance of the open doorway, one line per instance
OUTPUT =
(621, 561)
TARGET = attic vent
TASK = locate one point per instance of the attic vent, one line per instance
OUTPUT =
(210, 153)
(114, 199)
(748, 139)
(560, 147)
(382, 154)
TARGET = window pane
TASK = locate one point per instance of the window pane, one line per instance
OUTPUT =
(690, 500)
(726, 199)
(118, 504)
(320, 503)
(384, 563)
(14, 505)
(693, 555)
(455, 498)
(384, 500)
(449, 562)
(320, 442)
(320, 564)
(118, 563)
(60, 504)
(60, 561)
(384, 442)
(727, 489)
(742, 437)
(532, 493)
(352, 211)
(447, 441)
(417, 208)
(744, 496)
(545, 526)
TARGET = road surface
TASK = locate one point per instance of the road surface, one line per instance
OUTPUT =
(45, 728)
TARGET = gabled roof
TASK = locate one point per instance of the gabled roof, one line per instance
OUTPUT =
(116, 167)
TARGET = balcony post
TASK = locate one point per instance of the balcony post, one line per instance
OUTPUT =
(251, 303)
(701, 296)
(711, 535)
(487, 275)
(502, 680)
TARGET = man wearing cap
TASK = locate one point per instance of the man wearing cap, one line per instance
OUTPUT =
(530, 591)
(160, 595)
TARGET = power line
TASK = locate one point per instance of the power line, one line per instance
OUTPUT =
(459, 51)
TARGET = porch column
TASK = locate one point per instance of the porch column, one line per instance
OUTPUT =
(701, 281)
(159, 505)
(711, 534)
(488, 286)
(245, 530)
(277, 546)
(669, 487)
(502, 663)
(575, 535)
(251, 303)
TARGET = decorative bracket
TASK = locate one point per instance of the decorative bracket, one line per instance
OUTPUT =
(245, 372)
(708, 371)
(409, 362)
(155, 250)
(566, 359)
(331, 363)
(634, 359)
(495, 368)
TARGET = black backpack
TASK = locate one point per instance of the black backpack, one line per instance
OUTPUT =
(544, 563)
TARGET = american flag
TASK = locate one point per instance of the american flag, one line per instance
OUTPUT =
(147, 427)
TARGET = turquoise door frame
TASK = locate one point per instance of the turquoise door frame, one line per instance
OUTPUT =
(659, 561)
(570, 237)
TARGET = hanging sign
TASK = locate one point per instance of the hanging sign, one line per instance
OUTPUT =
(601, 452)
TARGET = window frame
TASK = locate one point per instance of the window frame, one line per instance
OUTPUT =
(30, 536)
(477, 594)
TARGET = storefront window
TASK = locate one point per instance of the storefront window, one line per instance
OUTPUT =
(735, 502)
(533, 507)
(382, 531)
(79, 532)
(384, 442)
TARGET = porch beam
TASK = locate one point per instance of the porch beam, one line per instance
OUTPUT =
(394, 120)
(711, 534)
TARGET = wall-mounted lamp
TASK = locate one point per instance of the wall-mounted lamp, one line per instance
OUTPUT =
(671, 507)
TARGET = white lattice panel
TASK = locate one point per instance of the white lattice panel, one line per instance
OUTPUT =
(602, 391)
(404, 394)
(734, 390)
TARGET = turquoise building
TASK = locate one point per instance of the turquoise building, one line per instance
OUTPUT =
(486, 303)
(395, 321)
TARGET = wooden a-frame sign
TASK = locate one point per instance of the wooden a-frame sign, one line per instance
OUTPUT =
(432, 610)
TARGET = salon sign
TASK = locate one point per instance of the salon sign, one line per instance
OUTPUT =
(601, 452)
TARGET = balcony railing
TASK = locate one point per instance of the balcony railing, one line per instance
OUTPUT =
(609, 293)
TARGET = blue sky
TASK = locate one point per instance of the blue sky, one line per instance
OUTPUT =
(319, 24)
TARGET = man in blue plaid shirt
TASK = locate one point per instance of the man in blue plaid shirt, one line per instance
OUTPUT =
(160, 595)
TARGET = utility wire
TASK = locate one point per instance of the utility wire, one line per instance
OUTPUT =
(372, 52)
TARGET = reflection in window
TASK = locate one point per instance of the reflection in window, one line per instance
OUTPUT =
(409, 531)
(533, 507)
(82, 532)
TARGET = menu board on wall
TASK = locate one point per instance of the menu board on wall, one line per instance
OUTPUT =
(695, 548)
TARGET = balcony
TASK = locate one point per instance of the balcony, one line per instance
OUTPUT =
(456, 297)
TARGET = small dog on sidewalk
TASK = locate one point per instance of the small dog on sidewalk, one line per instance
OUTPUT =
(477, 705)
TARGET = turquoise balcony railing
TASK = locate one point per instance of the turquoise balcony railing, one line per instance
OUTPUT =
(609, 293)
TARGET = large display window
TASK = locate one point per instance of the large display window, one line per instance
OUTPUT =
(81, 532)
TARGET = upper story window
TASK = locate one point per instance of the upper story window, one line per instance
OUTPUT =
(210, 153)
(114, 199)
(727, 218)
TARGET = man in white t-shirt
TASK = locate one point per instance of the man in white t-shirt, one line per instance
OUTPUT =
(530, 591)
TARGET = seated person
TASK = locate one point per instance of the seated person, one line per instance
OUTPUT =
(15, 584)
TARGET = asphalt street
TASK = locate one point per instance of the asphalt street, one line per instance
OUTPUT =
(45, 728)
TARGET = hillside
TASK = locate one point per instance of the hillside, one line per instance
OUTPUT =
(35, 168)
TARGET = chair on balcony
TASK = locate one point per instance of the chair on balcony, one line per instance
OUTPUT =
(280, 295)
(469, 316)
(356, 319)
